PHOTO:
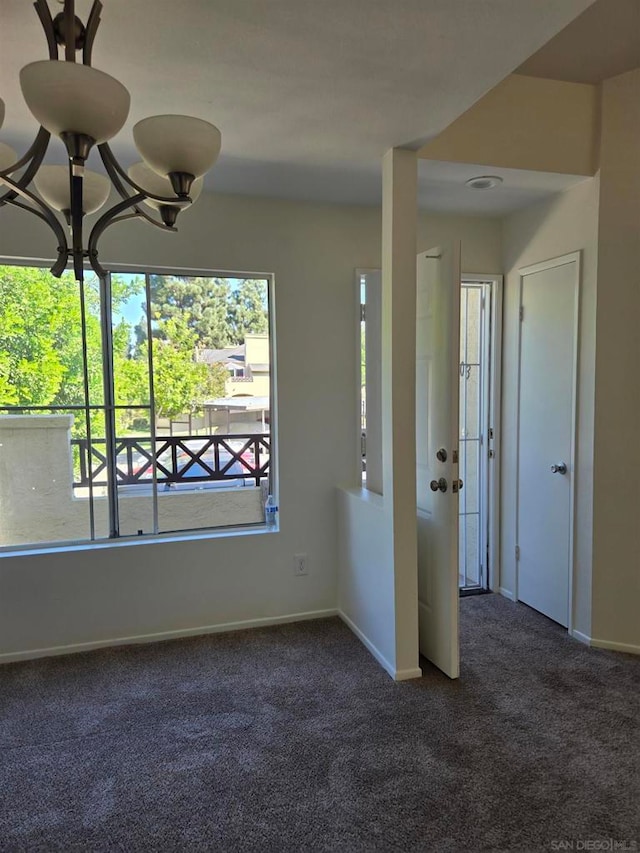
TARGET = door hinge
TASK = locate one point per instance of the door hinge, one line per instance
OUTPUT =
(491, 454)
(517, 552)
(363, 445)
(521, 313)
(363, 313)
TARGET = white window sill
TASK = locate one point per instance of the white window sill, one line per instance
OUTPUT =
(132, 541)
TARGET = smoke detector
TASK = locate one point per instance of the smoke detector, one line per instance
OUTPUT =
(484, 182)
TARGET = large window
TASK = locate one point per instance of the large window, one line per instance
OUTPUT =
(135, 406)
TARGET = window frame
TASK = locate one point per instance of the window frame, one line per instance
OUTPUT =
(220, 531)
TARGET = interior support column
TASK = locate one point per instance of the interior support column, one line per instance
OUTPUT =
(399, 223)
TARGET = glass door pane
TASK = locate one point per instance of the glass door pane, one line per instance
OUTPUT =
(472, 372)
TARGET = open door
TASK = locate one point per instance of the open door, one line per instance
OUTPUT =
(437, 431)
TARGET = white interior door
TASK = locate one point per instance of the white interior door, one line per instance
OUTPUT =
(437, 425)
(545, 435)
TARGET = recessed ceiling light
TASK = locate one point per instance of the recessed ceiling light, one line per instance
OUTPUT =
(484, 182)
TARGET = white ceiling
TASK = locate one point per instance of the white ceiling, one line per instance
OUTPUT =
(308, 94)
(442, 188)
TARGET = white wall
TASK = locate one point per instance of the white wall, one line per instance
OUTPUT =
(52, 600)
(526, 123)
(616, 532)
(567, 223)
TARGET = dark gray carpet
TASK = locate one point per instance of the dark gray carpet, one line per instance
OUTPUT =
(292, 739)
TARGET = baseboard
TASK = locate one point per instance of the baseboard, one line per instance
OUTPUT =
(578, 635)
(627, 648)
(408, 674)
(396, 674)
(74, 648)
(507, 593)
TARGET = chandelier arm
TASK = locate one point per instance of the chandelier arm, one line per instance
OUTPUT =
(113, 170)
(36, 154)
(45, 213)
(109, 160)
(93, 22)
(101, 226)
(46, 20)
(158, 224)
(59, 266)
(69, 30)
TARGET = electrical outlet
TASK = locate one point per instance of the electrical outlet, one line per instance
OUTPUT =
(300, 565)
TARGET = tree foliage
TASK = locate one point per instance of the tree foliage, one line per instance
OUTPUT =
(41, 353)
(180, 384)
(219, 314)
(41, 339)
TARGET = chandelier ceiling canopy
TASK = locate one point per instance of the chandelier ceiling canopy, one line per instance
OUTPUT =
(85, 108)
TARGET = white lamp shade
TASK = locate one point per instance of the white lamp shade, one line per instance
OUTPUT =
(177, 144)
(1, 111)
(52, 182)
(151, 182)
(7, 156)
(70, 97)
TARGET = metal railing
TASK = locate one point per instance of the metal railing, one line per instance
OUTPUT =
(185, 459)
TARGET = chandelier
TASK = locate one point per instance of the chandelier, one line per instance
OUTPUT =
(86, 108)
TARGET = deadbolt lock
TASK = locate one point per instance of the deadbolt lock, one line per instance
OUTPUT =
(441, 455)
(439, 485)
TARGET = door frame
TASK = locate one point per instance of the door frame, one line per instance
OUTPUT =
(494, 405)
(562, 260)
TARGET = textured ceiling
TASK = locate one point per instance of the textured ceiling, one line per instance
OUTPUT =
(308, 95)
(602, 42)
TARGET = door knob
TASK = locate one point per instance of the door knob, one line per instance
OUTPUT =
(457, 485)
(560, 468)
(438, 485)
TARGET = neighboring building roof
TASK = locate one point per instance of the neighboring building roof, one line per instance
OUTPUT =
(227, 355)
(242, 403)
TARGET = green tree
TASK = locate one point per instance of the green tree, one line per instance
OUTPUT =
(41, 354)
(220, 314)
(203, 301)
(248, 310)
(181, 384)
(41, 338)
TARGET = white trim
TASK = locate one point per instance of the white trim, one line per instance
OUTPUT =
(495, 418)
(494, 406)
(408, 674)
(373, 362)
(506, 593)
(358, 345)
(582, 638)
(552, 263)
(615, 647)
(273, 479)
(396, 674)
(73, 648)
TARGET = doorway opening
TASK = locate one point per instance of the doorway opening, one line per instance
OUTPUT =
(480, 304)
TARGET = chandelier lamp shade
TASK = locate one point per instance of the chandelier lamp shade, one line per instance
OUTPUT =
(85, 108)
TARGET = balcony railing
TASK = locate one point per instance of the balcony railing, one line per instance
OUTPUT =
(186, 459)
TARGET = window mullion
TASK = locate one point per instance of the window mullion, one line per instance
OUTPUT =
(152, 404)
(106, 318)
(87, 410)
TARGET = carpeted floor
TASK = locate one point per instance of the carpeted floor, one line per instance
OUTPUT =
(293, 739)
